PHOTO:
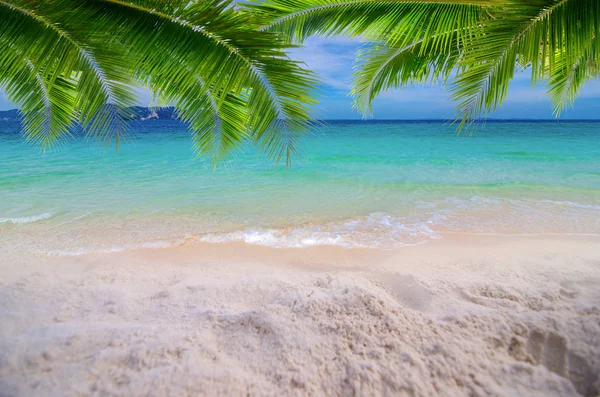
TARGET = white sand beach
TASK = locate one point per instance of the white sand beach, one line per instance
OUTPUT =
(461, 316)
(300, 198)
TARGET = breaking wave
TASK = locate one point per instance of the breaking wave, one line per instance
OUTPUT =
(28, 219)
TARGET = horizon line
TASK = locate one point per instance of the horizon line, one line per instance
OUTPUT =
(474, 121)
(439, 120)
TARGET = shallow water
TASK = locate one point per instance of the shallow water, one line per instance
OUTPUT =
(375, 184)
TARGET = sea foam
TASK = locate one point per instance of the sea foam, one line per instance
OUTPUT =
(377, 230)
(28, 219)
(122, 248)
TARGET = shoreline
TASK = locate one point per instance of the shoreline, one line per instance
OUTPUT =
(461, 315)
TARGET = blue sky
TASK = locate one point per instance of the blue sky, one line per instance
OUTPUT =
(332, 59)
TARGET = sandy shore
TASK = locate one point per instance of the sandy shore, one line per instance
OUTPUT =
(468, 316)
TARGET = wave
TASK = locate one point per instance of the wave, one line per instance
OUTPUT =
(28, 219)
(377, 230)
(483, 200)
(123, 248)
(426, 221)
(562, 203)
(476, 215)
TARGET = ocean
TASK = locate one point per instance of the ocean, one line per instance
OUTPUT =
(378, 184)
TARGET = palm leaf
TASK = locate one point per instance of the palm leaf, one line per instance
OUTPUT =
(398, 22)
(59, 52)
(486, 42)
(207, 58)
(219, 46)
(547, 36)
(48, 109)
(566, 82)
(381, 67)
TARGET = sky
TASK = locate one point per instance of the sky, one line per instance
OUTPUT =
(332, 60)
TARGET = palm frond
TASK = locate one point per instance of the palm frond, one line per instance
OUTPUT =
(207, 58)
(417, 40)
(486, 42)
(48, 109)
(398, 21)
(51, 39)
(568, 79)
(218, 45)
(546, 36)
(382, 67)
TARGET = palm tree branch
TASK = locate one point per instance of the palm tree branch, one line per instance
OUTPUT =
(342, 4)
(93, 113)
(260, 82)
(565, 85)
(482, 92)
(196, 28)
(367, 94)
(48, 111)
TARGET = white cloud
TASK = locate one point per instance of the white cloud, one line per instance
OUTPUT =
(330, 58)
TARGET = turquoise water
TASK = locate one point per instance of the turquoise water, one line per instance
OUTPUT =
(376, 184)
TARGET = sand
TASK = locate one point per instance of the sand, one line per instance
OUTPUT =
(462, 316)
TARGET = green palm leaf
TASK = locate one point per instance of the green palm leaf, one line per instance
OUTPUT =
(381, 67)
(566, 82)
(550, 37)
(207, 58)
(59, 52)
(396, 20)
(484, 42)
(252, 63)
(48, 109)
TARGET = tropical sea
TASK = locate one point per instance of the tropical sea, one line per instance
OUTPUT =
(378, 184)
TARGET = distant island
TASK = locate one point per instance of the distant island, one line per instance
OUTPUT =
(133, 113)
(141, 113)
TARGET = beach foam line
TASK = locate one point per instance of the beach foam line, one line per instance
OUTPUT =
(562, 203)
(377, 230)
(28, 219)
(520, 202)
(537, 234)
(126, 247)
